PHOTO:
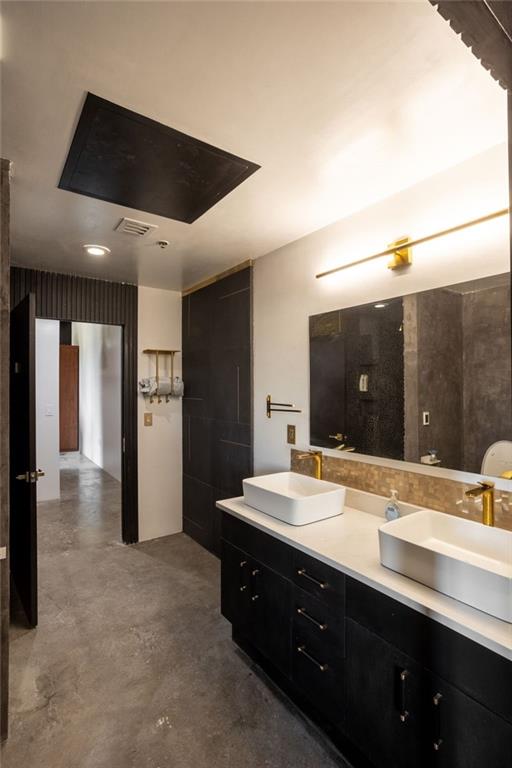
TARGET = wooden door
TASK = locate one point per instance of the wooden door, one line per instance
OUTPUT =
(23, 471)
(68, 397)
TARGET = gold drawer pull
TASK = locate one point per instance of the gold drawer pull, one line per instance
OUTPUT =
(321, 625)
(321, 667)
(305, 574)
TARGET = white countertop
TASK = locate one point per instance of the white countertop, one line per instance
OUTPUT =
(350, 543)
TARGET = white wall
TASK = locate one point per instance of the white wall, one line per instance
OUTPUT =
(47, 408)
(286, 291)
(100, 394)
(160, 464)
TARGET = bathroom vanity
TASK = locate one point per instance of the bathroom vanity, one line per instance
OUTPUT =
(399, 675)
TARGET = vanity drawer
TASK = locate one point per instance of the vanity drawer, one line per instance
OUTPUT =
(318, 672)
(319, 580)
(317, 622)
(267, 549)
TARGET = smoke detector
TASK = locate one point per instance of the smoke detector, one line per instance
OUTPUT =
(136, 228)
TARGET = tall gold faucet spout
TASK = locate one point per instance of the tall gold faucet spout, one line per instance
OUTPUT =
(317, 456)
(485, 489)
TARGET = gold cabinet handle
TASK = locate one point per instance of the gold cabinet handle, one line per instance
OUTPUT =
(302, 572)
(302, 649)
(322, 626)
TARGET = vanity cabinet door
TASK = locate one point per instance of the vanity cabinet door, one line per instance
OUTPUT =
(270, 605)
(257, 602)
(463, 733)
(385, 701)
(235, 587)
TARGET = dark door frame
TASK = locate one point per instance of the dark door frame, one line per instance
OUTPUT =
(22, 458)
(83, 299)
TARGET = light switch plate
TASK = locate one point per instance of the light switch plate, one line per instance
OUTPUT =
(148, 419)
(290, 434)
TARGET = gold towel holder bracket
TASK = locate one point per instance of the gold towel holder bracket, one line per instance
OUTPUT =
(281, 407)
(157, 353)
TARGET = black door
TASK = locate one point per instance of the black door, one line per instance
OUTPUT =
(236, 588)
(463, 733)
(23, 470)
(385, 701)
(270, 601)
(257, 602)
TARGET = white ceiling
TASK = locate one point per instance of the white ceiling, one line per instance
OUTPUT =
(342, 104)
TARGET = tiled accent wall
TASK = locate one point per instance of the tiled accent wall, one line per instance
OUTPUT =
(413, 487)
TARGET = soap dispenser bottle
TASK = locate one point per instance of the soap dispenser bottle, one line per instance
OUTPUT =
(392, 509)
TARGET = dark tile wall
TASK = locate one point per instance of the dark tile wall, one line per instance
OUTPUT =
(217, 407)
(433, 376)
(4, 439)
(487, 372)
(345, 345)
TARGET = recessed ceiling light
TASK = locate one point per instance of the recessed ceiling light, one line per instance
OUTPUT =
(97, 250)
(381, 305)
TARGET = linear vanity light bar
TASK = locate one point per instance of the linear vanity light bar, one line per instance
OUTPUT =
(405, 244)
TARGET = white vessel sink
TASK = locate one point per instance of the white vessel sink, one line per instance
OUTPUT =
(460, 558)
(294, 498)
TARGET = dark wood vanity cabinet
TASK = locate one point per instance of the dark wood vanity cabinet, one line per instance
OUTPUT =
(399, 688)
(290, 609)
(257, 602)
(461, 732)
(401, 715)
(384, 701)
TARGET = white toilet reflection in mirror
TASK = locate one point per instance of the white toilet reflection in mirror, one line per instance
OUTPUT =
(497, 460)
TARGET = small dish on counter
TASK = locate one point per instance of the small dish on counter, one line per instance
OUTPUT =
(293, 498)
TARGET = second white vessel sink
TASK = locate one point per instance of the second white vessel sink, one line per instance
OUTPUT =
(293, 498)
(460, 558)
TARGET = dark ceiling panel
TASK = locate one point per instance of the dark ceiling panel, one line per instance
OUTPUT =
(122, 157)
(485, 26)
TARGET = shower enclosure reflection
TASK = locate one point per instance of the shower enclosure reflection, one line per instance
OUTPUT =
(423, 378)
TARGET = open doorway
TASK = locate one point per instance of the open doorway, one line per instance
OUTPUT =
(78, 421)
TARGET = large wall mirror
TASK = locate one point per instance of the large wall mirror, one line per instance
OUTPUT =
(423, 378)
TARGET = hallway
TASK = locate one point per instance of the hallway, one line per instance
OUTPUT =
(132, 665)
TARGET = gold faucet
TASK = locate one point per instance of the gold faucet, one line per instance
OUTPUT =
(485, 489)
(317, 456)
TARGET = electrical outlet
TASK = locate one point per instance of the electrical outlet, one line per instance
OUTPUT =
(290, 434)
(148, 419)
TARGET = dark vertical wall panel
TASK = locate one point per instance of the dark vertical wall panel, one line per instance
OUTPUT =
(485, 27)
(217, 407)
(82, 299)
(5, 186)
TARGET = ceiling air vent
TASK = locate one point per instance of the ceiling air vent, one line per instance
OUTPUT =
(134, 227)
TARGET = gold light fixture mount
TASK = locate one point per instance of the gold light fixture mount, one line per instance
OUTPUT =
(402, 257)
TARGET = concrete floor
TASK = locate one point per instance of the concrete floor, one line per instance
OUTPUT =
(132, 665)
